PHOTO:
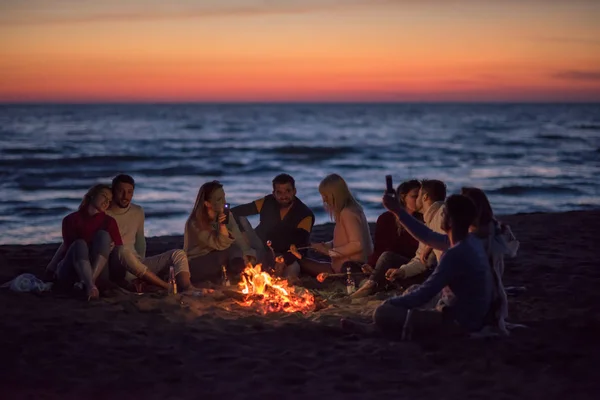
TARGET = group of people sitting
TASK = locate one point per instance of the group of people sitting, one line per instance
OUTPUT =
(456, 237)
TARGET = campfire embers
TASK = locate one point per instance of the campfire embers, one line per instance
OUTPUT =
(268, 294)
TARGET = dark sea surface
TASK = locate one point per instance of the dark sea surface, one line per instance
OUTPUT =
(527, 157)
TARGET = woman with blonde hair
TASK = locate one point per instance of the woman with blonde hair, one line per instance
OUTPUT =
(212, 238)
(87, 235)
(351, 245)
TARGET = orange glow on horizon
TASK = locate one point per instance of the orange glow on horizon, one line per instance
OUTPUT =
(384, 52)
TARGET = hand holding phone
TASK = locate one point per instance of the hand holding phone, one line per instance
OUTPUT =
(226, 212)
(389, 185)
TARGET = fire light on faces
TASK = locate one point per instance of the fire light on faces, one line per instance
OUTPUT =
(271, 294)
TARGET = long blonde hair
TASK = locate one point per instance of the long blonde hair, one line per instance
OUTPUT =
(199, 213)
(91, 194)
(337, 195)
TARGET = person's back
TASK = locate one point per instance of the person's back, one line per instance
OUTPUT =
(470, 280)
(351, 238)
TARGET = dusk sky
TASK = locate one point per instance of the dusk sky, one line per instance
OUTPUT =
(299, 50)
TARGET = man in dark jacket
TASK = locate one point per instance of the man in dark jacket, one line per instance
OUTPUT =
(284, 221)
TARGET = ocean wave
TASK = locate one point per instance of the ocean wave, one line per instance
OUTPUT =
(82, 161)
(588, 127)
(193, 127)
(31, 211)
(528, 190)
(315, 151)
(81, 132)
(528, 158)
(491, 128)
(234, 129)
(180, 170)
(552, 136)
(25, 151)
(164, 214)
(70, 180)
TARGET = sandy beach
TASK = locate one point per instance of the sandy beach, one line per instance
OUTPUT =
(150, 346)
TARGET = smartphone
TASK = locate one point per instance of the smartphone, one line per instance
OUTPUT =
(389, 185)
(226, 212)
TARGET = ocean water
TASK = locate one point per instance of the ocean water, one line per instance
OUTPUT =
(527, 157)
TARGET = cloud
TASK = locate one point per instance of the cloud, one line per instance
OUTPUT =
(109, 11)
(575, 75)
(570, 40)
(53, 12)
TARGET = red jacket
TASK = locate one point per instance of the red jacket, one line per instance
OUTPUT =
(387, 239)
(81, 225)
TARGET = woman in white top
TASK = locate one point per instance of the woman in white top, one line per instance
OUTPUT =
(351, 244)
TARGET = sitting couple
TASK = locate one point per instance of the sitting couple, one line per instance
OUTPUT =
(104, 240)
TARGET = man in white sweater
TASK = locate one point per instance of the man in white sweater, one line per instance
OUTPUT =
(430, 203)
(131, 257)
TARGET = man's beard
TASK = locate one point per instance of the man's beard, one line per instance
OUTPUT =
(120, 204)
(285, 205)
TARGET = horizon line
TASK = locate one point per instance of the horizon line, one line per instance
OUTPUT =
(289, 102)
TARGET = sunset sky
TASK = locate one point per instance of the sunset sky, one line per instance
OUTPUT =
(299, 50)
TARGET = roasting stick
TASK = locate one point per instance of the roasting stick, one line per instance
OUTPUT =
(298, 248)
(324, 275)
(295, 250)
(269, 243)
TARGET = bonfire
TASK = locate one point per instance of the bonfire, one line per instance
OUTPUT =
(268, 294)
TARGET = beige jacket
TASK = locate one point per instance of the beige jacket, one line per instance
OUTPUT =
(433, 220)
(197, 242)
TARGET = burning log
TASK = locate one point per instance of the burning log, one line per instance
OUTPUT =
(234, 294)
(271, 294)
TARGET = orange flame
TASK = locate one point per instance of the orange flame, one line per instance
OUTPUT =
(271, 294)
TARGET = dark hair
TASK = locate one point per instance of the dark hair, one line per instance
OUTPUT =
(282, 179)
(436, 190)
(91, 194)
(122, 178)
(461, 210)
(485, 215)
(405, 188)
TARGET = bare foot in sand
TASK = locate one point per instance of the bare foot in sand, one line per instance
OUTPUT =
(364, 291)
(93, 293)
(358, 327)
